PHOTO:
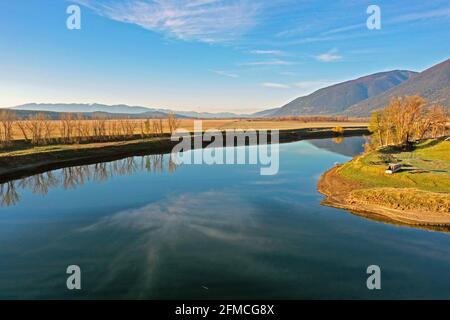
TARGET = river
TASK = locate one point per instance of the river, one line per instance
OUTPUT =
(144, 228)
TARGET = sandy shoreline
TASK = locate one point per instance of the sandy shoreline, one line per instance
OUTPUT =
(337, 190)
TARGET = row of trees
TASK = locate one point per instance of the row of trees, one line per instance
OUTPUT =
(406, 120)
(317, 118)
(7, 119)
(38, 129)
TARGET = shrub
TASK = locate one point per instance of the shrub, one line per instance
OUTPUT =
(338, 130)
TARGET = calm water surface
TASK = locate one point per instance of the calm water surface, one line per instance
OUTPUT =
(144, 228)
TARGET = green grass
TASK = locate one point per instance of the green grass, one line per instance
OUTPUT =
(426, 168)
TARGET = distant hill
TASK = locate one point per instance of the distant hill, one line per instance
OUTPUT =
(265, 113)
(337, 98)
(80, 107)
(25, 114)
(432, 84)
(122, 109)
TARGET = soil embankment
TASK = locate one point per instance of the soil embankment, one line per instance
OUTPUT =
(407, 206)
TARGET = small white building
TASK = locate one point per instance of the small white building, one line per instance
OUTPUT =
(393, 168)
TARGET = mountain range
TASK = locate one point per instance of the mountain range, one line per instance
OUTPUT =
(337, 98)
(82, 108)
(122, 109)
(54, 115)
(358, 97)
(432, 84)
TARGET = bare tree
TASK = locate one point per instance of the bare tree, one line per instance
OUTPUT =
(66, 127)
(81, 128)
(7, 119)
(47, 128)
(146, 128)
(99, 127)
(158, 127)
(173, 122)
(438, 119)
(127, 127)
(38, 131)
(22, 125)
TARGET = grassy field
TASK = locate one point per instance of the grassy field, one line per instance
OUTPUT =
(426, 168)
(418, 195)
(272, 124)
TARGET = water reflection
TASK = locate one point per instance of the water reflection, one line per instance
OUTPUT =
(338, 140)
(9, 194)
(239, 234)
(74, 177)
(166, 227)
(348, 147)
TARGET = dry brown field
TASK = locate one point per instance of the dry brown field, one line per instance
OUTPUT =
(188, 124)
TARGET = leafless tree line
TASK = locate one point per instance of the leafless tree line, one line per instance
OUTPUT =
(73, 177)
(71, 128)
(7, 119)
(407, 120)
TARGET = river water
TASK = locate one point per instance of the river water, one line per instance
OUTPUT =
(144, 228)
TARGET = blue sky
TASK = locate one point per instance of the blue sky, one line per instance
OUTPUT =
(207, 55)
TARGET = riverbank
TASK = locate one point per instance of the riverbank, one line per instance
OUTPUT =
(26, 161)
(418, 195)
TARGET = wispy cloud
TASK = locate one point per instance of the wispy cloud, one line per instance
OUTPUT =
(329, 56)
(226, 73)
(197, 3)
(267, 63)
(302, 87)
(415, 16)
(209, 21)
(275, 85)
(269, 52)
(296, 31)
(360, 26)
(289, 73)
(438, 13)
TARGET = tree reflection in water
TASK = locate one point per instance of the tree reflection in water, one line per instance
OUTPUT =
(73, 177)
